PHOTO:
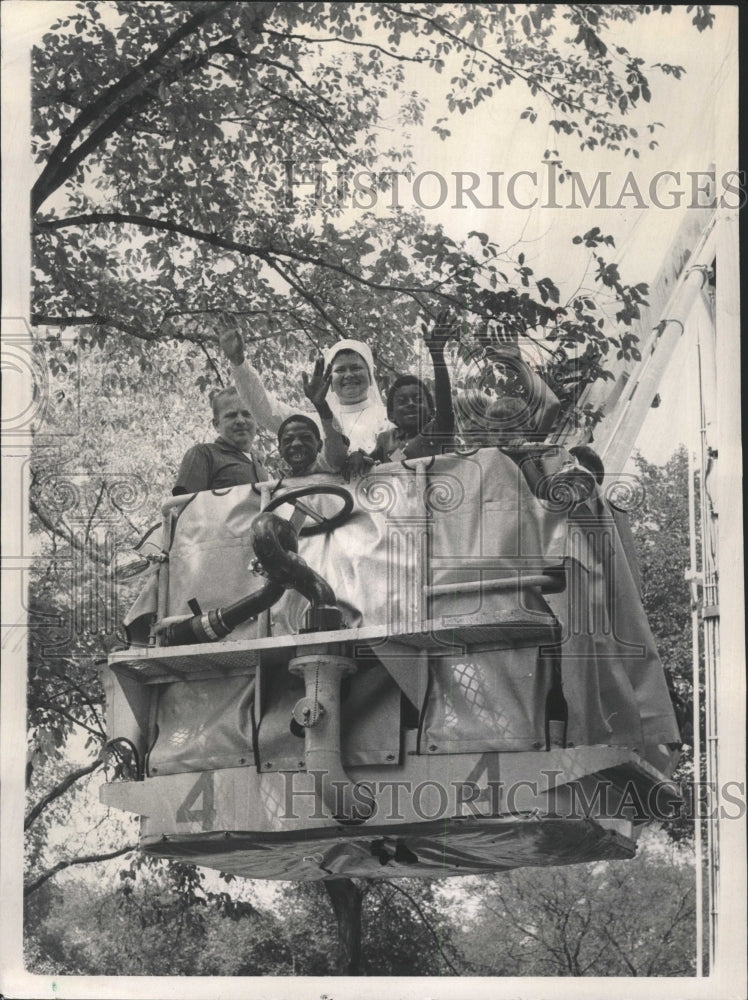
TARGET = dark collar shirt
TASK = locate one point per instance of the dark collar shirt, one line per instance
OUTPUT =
(215, 466)
(394, 446)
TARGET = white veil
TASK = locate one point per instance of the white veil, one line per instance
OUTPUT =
(376, 412)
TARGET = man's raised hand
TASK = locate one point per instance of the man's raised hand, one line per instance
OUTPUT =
(232, 345)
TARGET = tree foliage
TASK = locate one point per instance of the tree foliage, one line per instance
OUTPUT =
(620, 918)
(138, 924)
(661, 533)
(142, 927)
(174, 139)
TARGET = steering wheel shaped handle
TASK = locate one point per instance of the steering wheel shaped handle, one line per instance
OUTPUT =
(322, 524)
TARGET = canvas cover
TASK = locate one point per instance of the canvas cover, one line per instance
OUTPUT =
(451, 520)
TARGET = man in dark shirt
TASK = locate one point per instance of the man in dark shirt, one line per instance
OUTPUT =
(228, 461)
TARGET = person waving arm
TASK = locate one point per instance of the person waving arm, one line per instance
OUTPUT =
(316, 387)
(267, 409)
(436, 337)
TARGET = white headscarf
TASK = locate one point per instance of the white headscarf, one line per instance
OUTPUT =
(361, 422)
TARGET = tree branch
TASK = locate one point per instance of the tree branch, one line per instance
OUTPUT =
(94, 709)
(59, 790)
(87, 319)
(66, 534)
(96, 506)
(298, 287)
(212, 363)
(85, 859)
(681, 913)
(137, 103)
(427, 924)
(345, 41)
(304, 109)
(556, 100)
(71, 718)
(148, 334)
(292, 72)
(540, 938)
(609, 937)
(55, 172)
(246, 249)
(38, 319)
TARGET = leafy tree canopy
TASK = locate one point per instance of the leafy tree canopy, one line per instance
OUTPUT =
(166, 135)
(621, 918)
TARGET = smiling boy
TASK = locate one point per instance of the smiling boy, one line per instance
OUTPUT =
(423, 426)
(299, 444)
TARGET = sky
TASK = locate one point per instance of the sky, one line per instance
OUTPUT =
(501, 141)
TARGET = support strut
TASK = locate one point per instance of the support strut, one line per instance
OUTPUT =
(319, 715)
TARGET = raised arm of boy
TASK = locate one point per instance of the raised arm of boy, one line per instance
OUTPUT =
(435, 338)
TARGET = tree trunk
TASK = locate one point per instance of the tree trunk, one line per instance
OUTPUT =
(345, 897)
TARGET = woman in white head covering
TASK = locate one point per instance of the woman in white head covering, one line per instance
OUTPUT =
(354, 398)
